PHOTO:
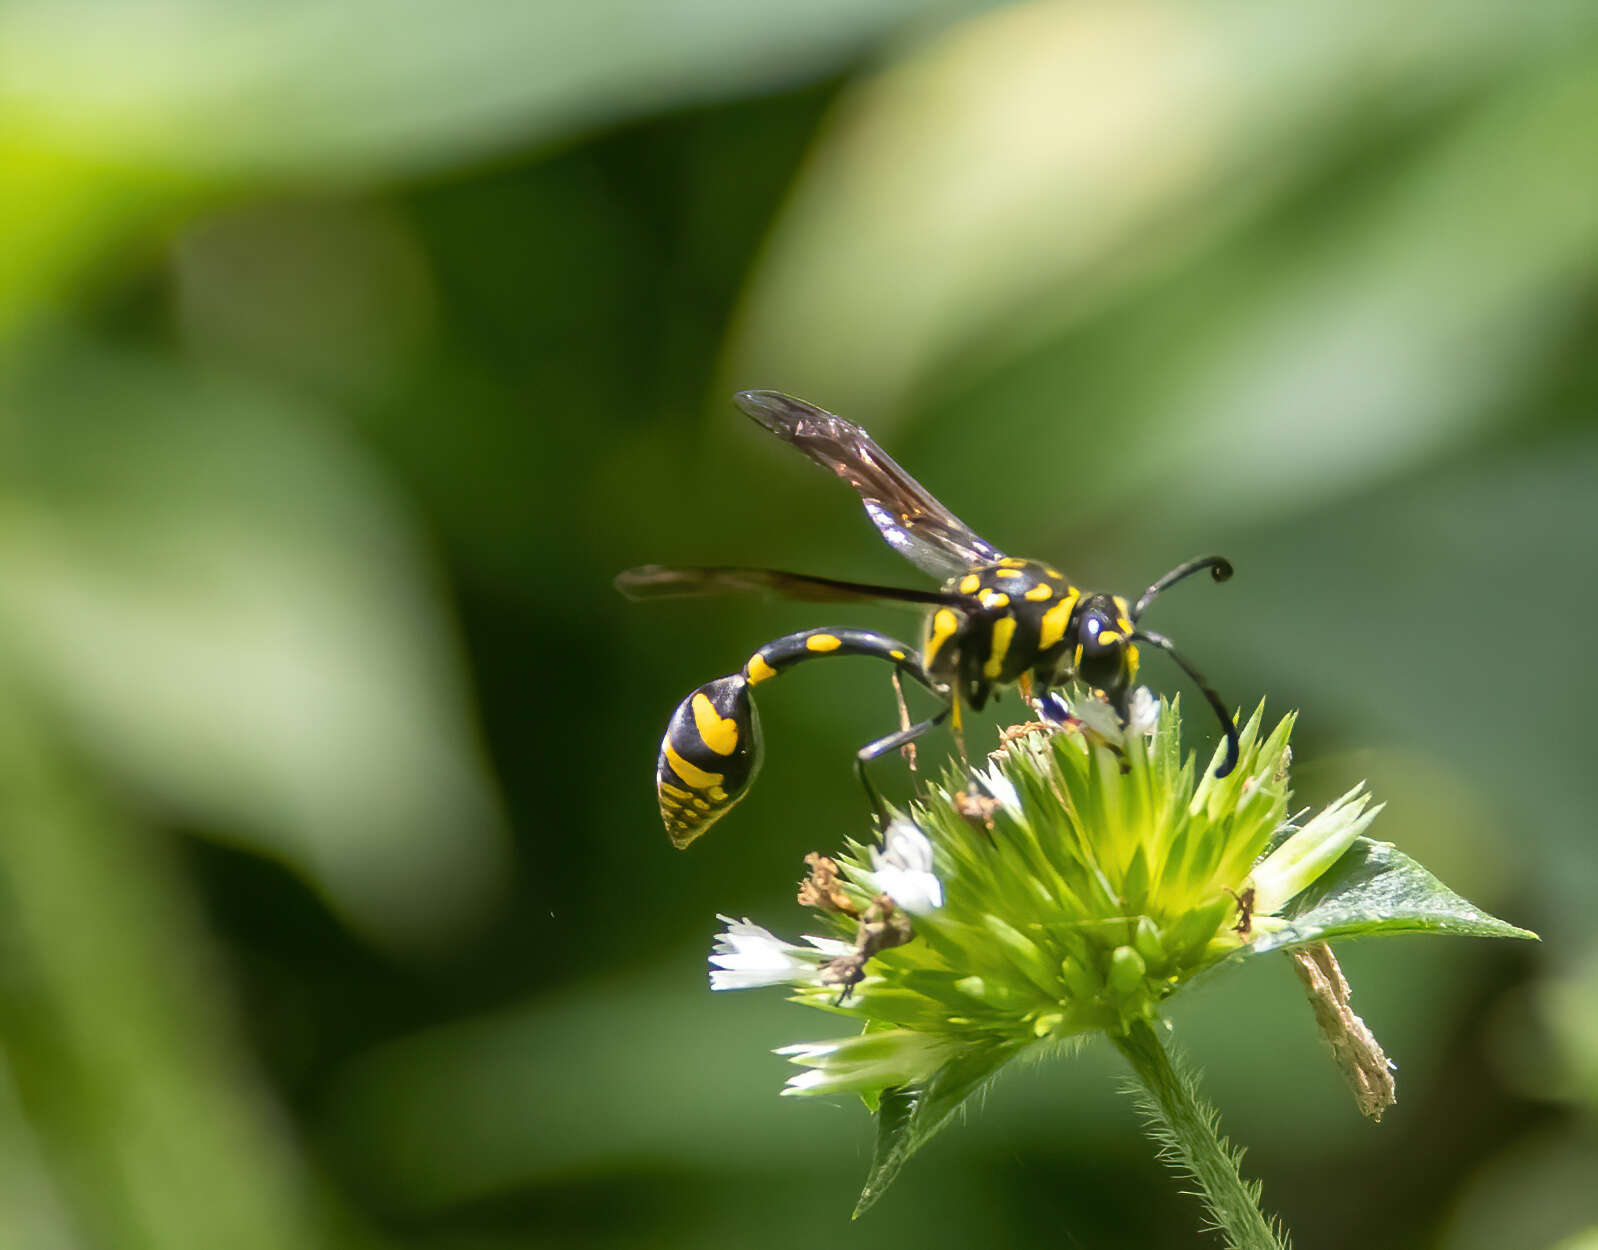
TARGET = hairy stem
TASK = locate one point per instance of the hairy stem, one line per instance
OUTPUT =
(1187, 1130)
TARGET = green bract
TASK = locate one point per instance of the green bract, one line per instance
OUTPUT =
(1083, 878)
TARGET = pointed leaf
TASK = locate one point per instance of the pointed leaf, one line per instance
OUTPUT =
(1377, 889)
(910, 1116)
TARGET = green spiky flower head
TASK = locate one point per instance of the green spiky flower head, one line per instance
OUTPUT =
(1089, 873)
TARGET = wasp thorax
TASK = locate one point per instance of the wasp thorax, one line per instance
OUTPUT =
(1008, 619)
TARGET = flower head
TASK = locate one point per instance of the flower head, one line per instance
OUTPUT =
(1083, 878)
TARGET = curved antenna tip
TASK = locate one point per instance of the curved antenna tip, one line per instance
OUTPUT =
(1219, 566)
(1232, 750)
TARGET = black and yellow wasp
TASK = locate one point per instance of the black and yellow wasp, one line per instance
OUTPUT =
(997, 621)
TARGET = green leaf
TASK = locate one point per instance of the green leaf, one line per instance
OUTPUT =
(910, 1116)
(1377, 889)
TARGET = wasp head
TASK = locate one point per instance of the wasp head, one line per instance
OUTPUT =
(1105, 656)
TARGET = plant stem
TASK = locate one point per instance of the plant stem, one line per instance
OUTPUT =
(1187, 1129)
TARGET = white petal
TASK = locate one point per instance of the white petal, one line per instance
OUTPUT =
(905, 846)
(832, 948)
(810, 1050)
(814, 1081)
(1001, 788)
(916, 892)
(748, 956)
(752, 979)
(1143, 712)
(903, 870)
(867, 1060)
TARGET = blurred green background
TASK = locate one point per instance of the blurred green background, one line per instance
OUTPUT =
(348, 349)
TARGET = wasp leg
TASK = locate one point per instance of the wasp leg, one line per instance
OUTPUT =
(883, 746)
(909, 749)
(959, 733)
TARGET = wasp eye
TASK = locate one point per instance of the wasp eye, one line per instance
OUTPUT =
(1098, 634)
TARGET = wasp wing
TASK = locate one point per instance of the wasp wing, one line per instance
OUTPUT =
(656, 581)
(914, 524)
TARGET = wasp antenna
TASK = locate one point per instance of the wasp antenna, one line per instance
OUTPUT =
(1220, 569)
(1227, 727)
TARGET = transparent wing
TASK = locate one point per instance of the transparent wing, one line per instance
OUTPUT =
(656, 581)
(914, 524)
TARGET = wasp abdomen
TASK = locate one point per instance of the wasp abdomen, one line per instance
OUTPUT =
(708, 757)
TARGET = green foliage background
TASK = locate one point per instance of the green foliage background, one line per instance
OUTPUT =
(348, 349)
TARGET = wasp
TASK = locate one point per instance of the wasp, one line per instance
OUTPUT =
(996, 621)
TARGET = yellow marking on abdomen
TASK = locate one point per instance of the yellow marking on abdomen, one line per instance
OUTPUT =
(1109, 635)
(897, 654)
(969, 584)
(1010, 562)
(823, 642)
(1052, 627)
(716, 732)
(995, 599)
(1003, 631)
(674, 791)
(1131, 663)
(695, 776)
(944, 625)
(1007, 573)
(757, 670)
(1040, 592)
